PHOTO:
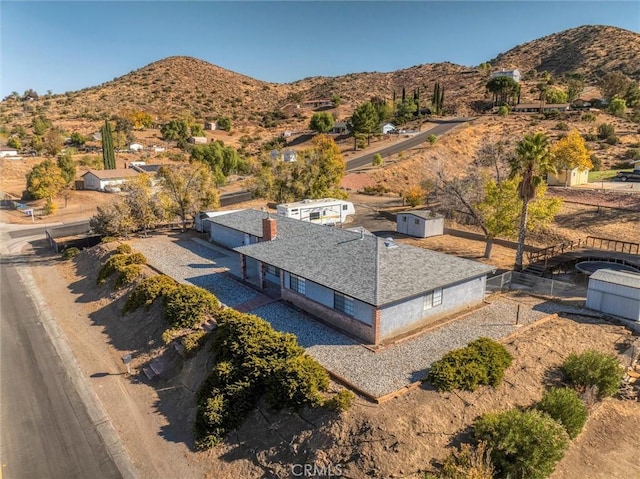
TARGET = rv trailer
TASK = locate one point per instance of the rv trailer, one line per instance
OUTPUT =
(326, 211)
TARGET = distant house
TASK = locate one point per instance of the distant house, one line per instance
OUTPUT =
(421, 223)
(540, 108)
(210, 125)
(290, 156)
(370, 287)
(340, 128)
(514, 74)
(573, 177)
(198, 140)
(320, 103)
(158, 149)
(388, 128)
(615, 292)
(136, 147)
(6, 151)
(104, 180)
(581, 104)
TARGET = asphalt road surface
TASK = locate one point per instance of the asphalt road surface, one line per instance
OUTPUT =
(45, 430)
(440, 129)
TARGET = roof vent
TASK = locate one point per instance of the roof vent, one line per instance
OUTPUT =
(361, 233)
(389, 243)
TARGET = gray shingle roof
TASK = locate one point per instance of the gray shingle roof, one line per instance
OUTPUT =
(624, 278)
(360, 266)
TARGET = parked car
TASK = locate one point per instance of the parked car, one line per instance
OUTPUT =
(629, 175)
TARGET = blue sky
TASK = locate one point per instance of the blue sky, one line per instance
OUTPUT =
(62, 46)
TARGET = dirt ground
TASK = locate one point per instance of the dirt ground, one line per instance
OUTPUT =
(400, 438)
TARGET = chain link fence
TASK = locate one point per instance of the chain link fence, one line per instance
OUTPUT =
(512, 280)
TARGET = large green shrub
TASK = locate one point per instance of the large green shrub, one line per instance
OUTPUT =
(124, 248)
(341, 401)
(193, 341)
(565, 406)
(524, 445)
(252, 360)
(594, 369)
(481, 362)
(187, 306)
(147, 290)
(118, 261)
(128, 274)
(70, 253)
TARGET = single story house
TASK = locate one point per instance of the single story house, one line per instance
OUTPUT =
(369, 287)
(320, 103)
(388, 128)
(6, 151)
(210, 125)
(514, 74)
(99, 180)
(340, 128)
(290, 156)
(197, 140)
(615, 292)
(420, 223)
(540, 108)
(573, 177)
(136, 147)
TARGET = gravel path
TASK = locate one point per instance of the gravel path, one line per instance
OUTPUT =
(377, 373)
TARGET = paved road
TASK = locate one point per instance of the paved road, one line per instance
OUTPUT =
(443, 127)
(45, 430)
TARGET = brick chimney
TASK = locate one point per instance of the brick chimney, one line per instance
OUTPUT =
(269, 229)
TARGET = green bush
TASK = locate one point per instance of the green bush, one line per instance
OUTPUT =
(187, 306)
(192, 342)
(562, 125)
(481, 362)
(432, 139)
(377, 160)
(128, 274)
(503, 110)
(594, 369)
(606, 130)
(124, 248)
(252, 360)
(147, 290)
(589, 117)
(108, 239)
(118, 261)
(341, 401)
(70, 253)
(565, 406)
(523, 444)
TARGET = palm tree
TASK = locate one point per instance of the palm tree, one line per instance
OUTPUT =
(531, 163)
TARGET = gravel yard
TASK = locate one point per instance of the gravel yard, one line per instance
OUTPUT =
(376, 373)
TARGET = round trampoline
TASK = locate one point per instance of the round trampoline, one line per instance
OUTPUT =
(590, 267)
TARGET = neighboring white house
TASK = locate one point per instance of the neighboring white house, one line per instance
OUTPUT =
(370, 287)
(325, 211)
(101, 180)
(515, 74)
(388, 128)
(210, 125)
(290, 156)
(136, 147)
(421, 224)
(158, 149)
(198, 140)
(573, 177)
(615, 292)
(340, 127)
(6, 151)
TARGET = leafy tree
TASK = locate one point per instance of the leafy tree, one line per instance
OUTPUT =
(40, 125)
(37, 143)
(108, 154)
(405, 110)
(414, 196)
(30, 94)
(606, 130)
(632, 96)
(223, 160)
(614, 84)
(571, 152)
(523, 444)
(14, 142)
(326, 168)
(114, 219)
(67, 167)
(555, 95)
(618, 106)
(322, 122)
(364, 121)
(224, 123)
(187, 189)
(531, 163)
(505, 90)
(53, 142)
(45, 180)
(336, 100)
(574, 89)
(383, 108)
(177, 130)
(77, 139)
(145, 208)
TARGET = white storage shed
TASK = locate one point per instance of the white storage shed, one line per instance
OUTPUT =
(421, 223)
(615, 292)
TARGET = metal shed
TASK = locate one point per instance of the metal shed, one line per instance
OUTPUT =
(615, 292)
(420, 223)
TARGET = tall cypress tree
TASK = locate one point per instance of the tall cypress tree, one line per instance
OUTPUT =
(108, 155)
(403, 95)
(441, 101)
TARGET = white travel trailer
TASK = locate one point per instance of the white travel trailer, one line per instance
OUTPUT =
(326, 211)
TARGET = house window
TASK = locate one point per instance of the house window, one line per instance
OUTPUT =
(417, 222)
(344, 207)
(314, 215)
(433, 299)
(404, 219)
(273, 270)
(343, 303)
(297, 284)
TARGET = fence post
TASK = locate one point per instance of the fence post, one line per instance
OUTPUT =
(518, 315)
(551, 289)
